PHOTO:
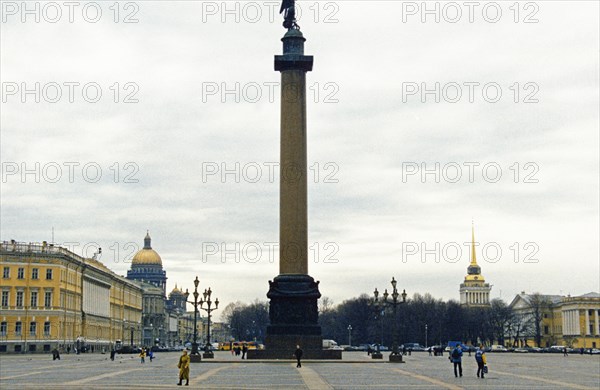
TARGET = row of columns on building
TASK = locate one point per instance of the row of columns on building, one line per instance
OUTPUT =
(571, 324)
(478, 297)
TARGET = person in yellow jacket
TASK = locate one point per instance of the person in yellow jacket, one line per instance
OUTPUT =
(143, 355)
(481, 360)
(184, 368)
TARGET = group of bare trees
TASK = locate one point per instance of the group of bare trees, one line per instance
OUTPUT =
(422, 319)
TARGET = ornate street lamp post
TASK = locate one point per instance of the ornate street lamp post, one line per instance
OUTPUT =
(349, 335)
(208, 353)
(395, 356)
(194, 356)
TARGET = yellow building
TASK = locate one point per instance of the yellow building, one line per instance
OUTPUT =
(564, 320)
(52, 297)
(474, 291)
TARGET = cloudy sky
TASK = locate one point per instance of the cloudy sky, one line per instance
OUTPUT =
(416, 127)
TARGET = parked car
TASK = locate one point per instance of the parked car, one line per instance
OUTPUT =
(381, 347)
(521, 350)
(129, 349)
(413, 347)
(498, 348)
(594, 351)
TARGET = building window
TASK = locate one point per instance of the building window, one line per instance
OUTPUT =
(545, 329)
(32, 328)
(34, 299)
(19, 302)
(6, 272)
(49, 273)
(590, 312)
(48, 299)
(47, 328)
(18, 328)
(34, 273)
(5, 298)
(21, 273)
(3, 328)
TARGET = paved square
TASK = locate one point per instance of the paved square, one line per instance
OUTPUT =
(355, 371)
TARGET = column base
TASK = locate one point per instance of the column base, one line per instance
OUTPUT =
(195, 358)
(396, 358)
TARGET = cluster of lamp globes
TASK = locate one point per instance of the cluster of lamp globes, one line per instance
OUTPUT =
(394, 294)
(206, 294)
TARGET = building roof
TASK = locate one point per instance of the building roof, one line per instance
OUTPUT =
(553, 299)
(590, 295)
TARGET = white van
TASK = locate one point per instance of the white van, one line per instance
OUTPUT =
(330, 344)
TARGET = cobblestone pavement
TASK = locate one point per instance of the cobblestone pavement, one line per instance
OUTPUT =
(355, 371)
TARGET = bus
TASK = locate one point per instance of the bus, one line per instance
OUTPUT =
(240, 344)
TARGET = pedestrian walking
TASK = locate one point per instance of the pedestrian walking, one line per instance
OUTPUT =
(55, 354)
(112, 354)
(298, 354)
(143, 356)
(565, 353)
(184, 368)
(151, 355)
(244, 351)
(481, 360)
(456, 359)
(429, 350)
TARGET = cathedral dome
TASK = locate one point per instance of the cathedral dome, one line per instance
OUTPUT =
(147, 255)
(176, 291)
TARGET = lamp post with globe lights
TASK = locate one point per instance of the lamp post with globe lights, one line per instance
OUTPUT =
(208, 353)
(195, 355)
(395, 356)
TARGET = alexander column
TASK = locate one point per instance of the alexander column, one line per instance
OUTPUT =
(293, 293)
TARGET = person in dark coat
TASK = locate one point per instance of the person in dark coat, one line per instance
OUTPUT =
(244, 351)
(298, 354)
(481, 360)
(456, 357)
(112, 354)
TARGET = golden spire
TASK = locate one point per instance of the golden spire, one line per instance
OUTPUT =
(473, 256)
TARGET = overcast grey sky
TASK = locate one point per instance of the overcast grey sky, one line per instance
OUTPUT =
(164, 135)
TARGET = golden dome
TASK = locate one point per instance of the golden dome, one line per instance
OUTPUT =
(147, 255)
(176, 290)
(475, 278)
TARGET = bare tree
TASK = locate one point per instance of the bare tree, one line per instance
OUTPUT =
(539, 305)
